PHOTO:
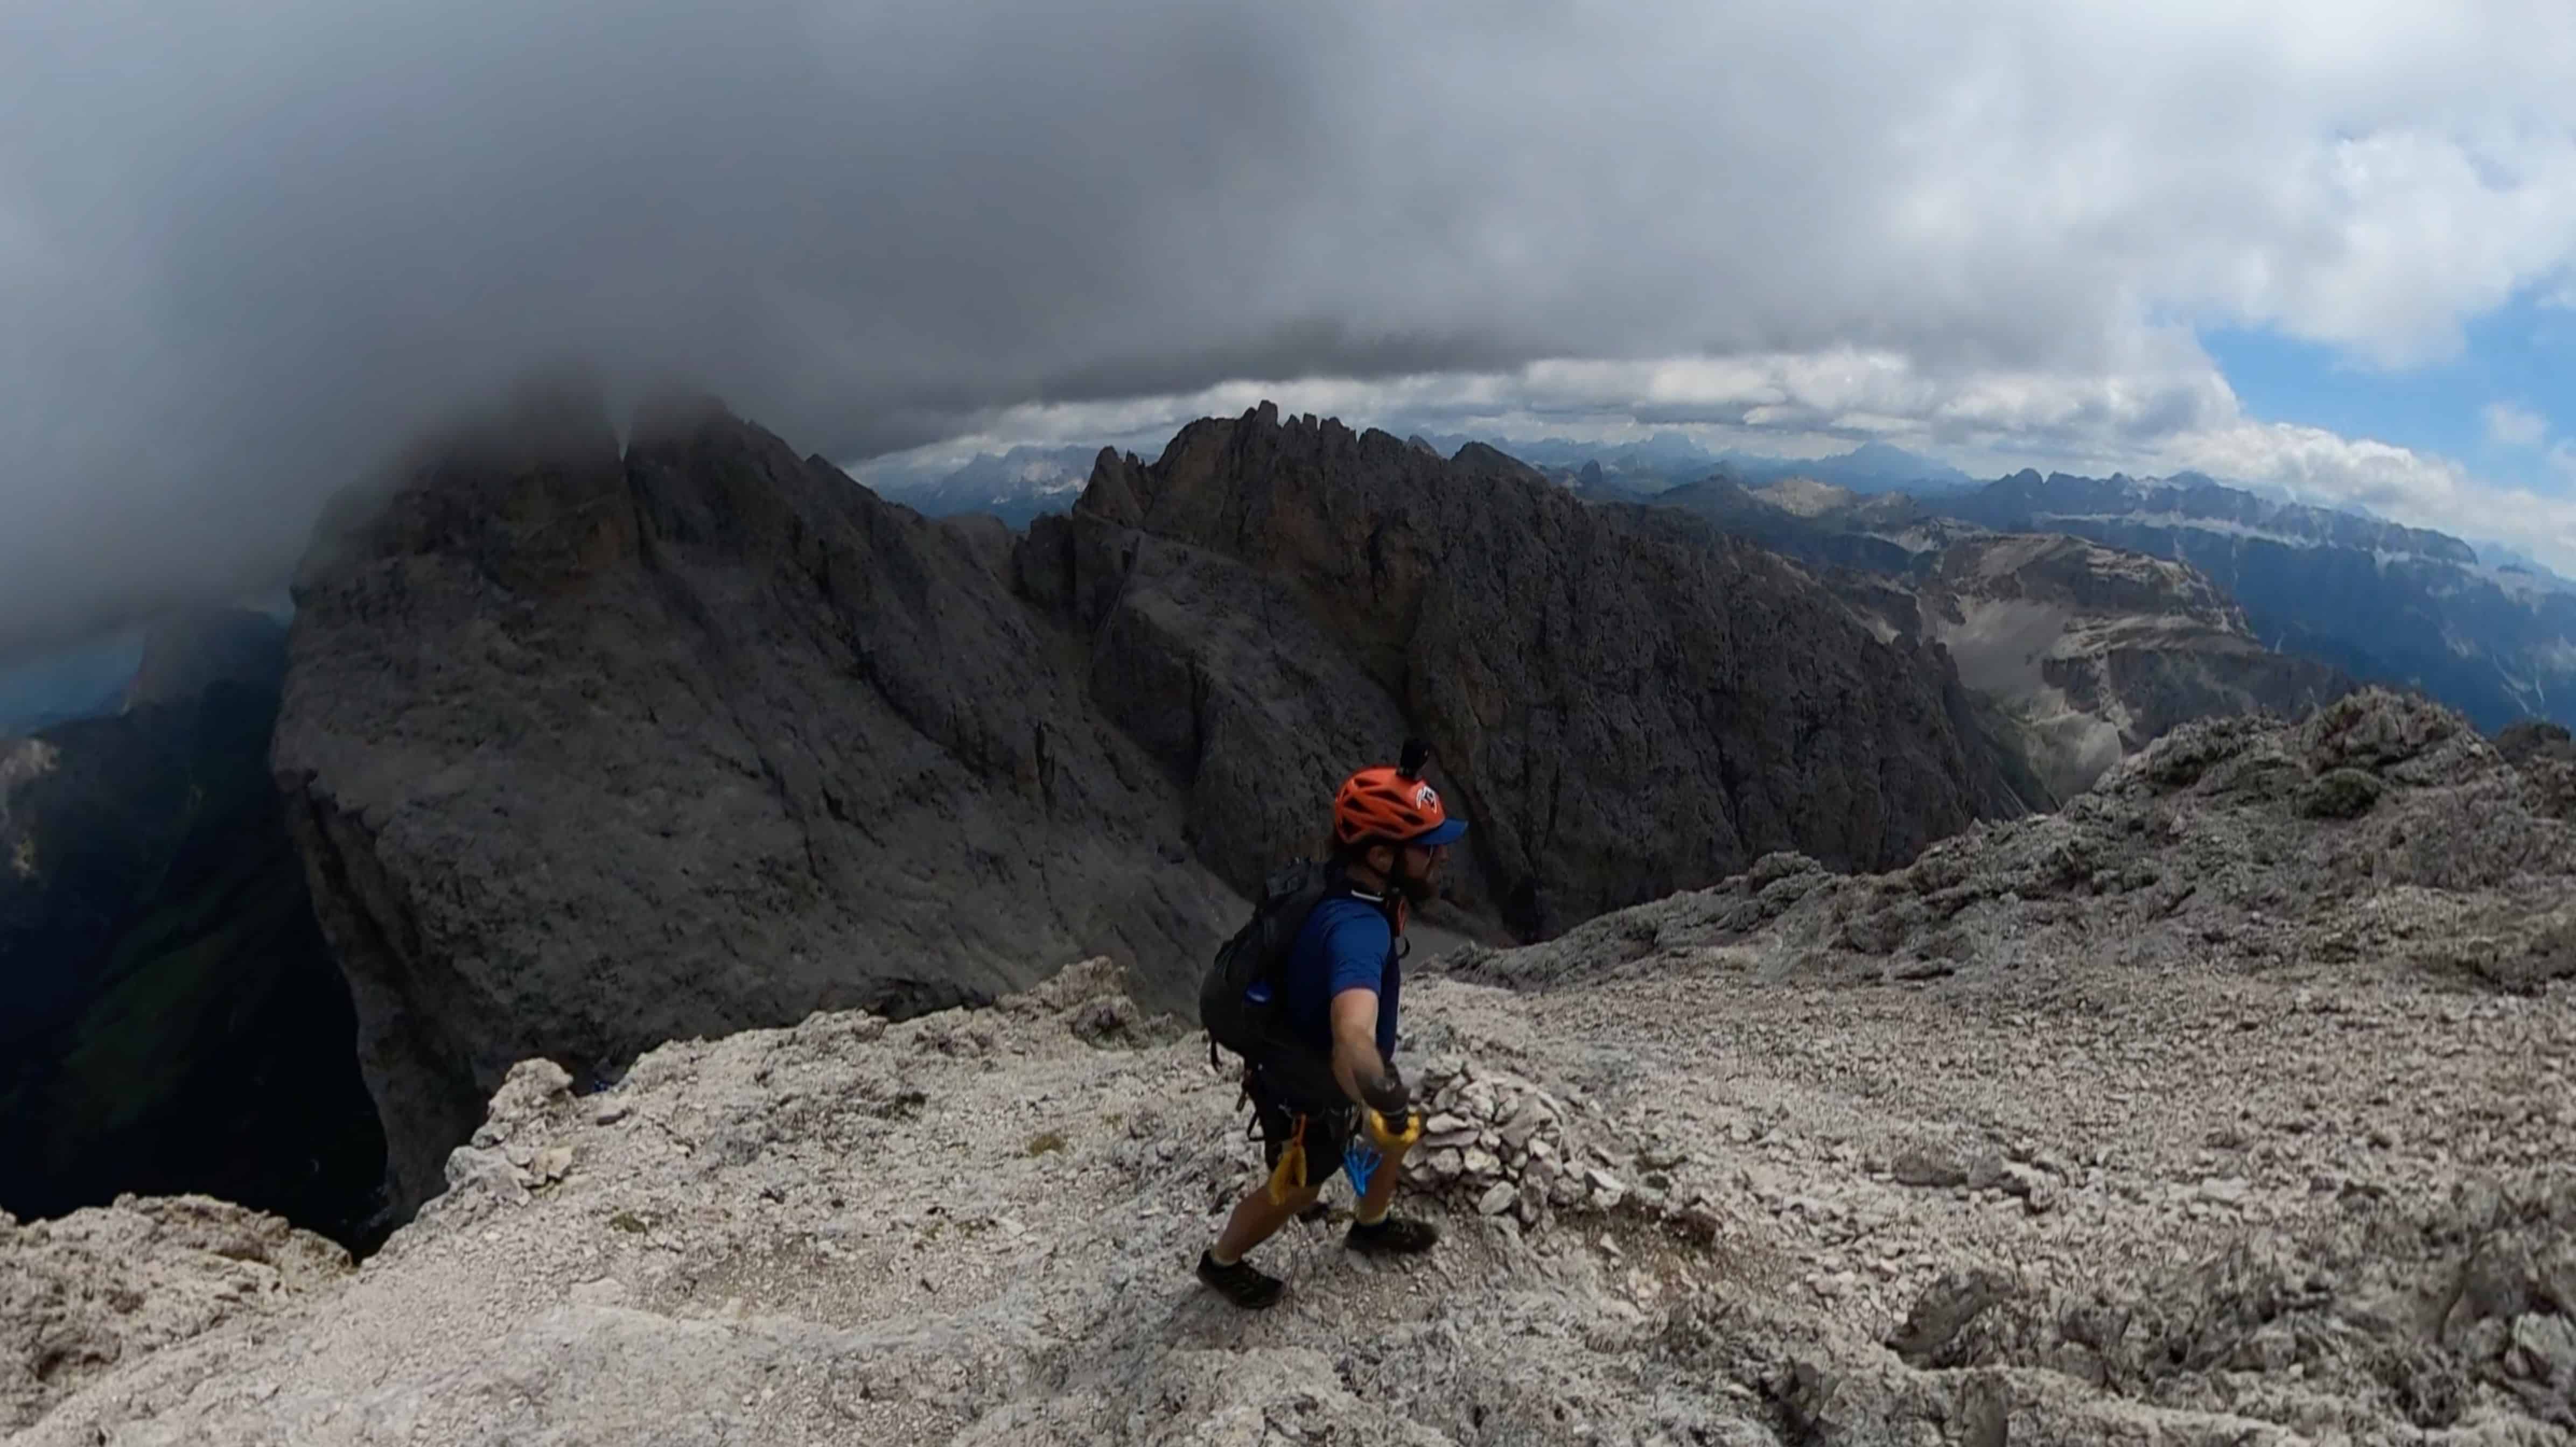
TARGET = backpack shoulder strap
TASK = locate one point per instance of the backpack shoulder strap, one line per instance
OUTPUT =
(1290, 897)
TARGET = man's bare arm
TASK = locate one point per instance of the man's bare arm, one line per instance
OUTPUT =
(1356, 1063)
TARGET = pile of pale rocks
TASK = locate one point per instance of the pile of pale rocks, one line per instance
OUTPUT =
(1507, 1148)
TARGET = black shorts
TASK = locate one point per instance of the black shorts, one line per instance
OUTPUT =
(1328, 1132)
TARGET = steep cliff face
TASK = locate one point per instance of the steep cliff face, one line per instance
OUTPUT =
(1625, 702)
(590, 750)
(170, 1019)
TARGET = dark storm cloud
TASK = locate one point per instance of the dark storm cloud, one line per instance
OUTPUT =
(246, 246)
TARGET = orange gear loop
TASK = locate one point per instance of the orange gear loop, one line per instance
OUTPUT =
(1290, 1174)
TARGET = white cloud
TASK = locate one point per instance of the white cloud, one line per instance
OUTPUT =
(2512, 425)
(2174, 414)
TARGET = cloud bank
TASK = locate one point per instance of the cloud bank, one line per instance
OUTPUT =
(246, 246)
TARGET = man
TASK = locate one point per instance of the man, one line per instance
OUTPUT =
(1339, 999)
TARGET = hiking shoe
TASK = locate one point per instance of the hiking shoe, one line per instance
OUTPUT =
(1242, 1283)
(1394, 1236)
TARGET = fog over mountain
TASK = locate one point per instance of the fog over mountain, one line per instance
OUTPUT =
(247, 247)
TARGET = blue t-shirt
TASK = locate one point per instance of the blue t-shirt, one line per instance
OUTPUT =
(1346, 944)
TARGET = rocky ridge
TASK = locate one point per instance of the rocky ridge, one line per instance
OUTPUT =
(2381, 835)
(589, 746)
(1625, 703)
(1724, 1188)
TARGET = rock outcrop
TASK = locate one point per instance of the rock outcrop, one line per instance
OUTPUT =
(2381, 835)
(2191, 1207)
(108, 1285)
(590, 748)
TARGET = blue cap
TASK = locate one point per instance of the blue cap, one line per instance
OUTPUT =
(1446, 831)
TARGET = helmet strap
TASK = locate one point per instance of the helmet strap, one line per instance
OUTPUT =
(1402, 882)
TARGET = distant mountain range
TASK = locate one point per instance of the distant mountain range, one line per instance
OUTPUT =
(1014, 486)
(2081, 652)
(2495, 639)
(2481, 628)
(1637, 470)
(2493, 635)
(1026, 482)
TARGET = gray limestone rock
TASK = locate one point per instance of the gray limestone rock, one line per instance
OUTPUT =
(87, 1292)
(976, 1227)
(1625, 702)
(588, 747)
(2202, 843)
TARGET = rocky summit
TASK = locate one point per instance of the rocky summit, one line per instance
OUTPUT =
(2224, 1109)
(589, 746)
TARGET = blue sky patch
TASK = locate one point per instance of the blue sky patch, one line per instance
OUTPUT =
(2523, 354)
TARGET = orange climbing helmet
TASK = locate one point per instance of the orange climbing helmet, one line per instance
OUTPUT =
(1395, 805)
